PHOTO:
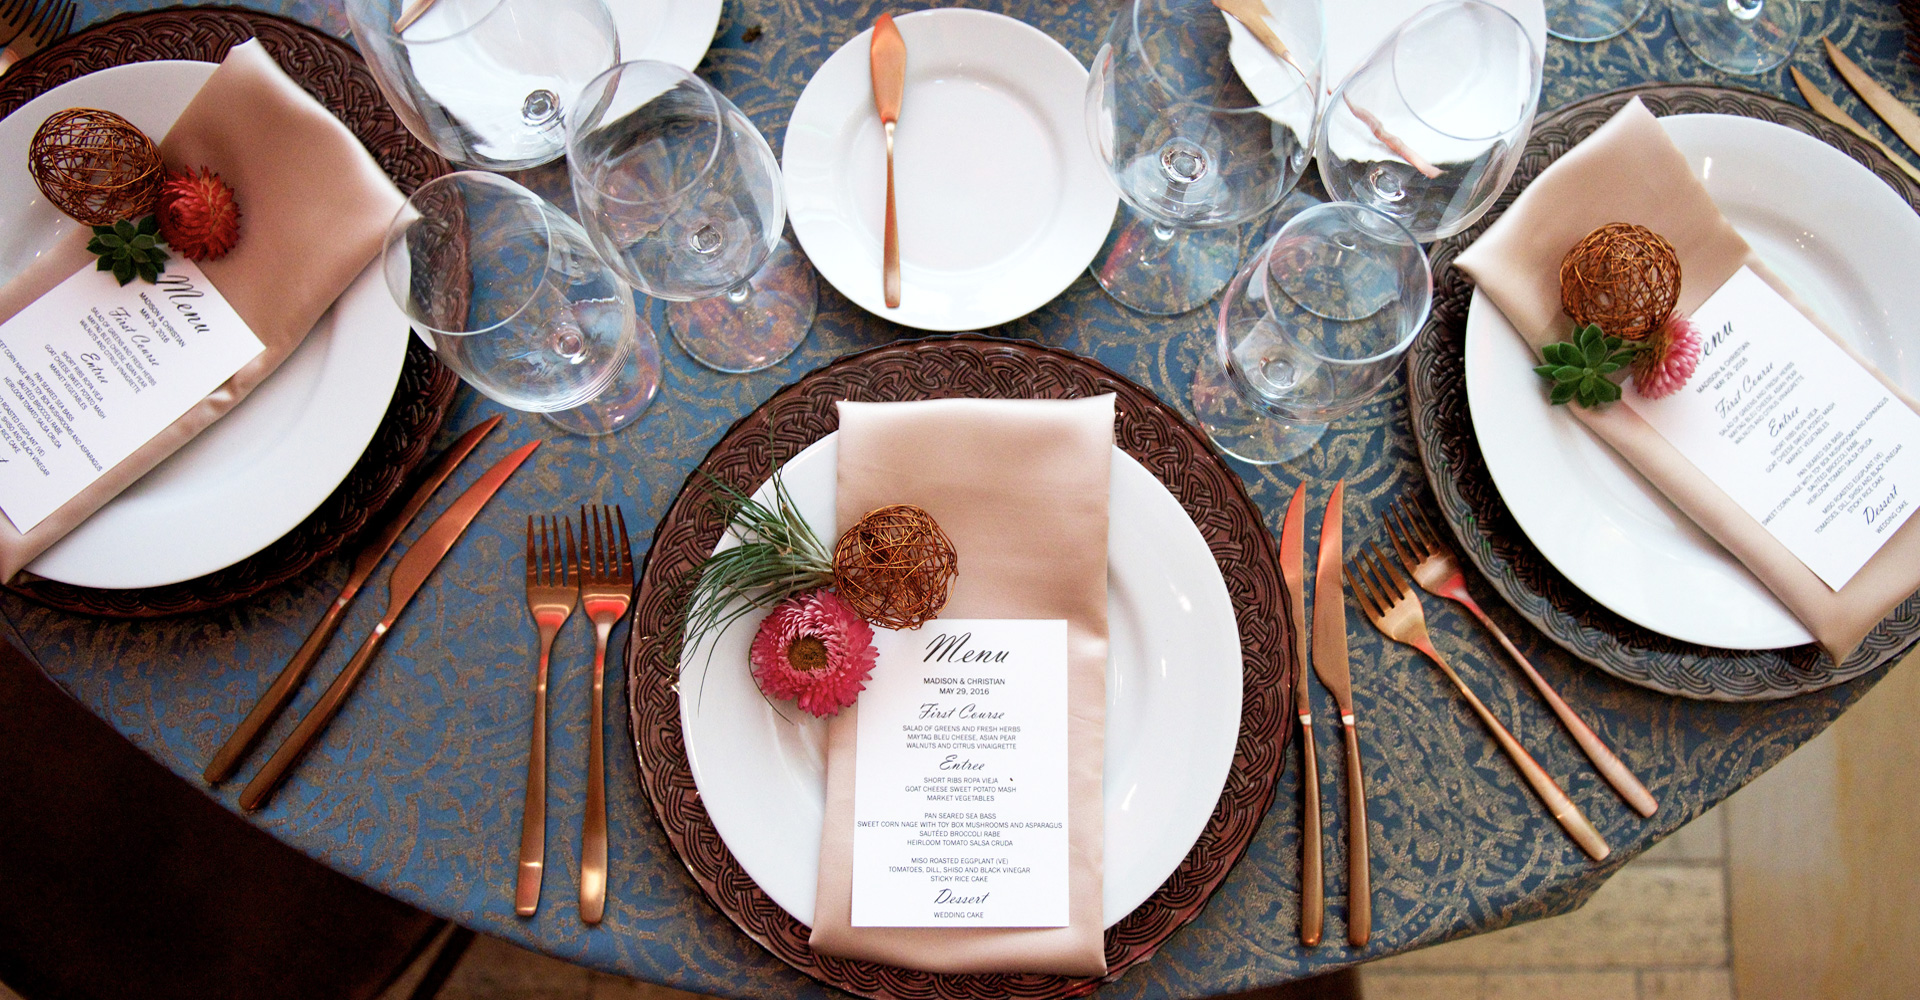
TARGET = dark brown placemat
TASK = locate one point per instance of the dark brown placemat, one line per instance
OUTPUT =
(1494, 541)
(335, 75)
(1177, 454)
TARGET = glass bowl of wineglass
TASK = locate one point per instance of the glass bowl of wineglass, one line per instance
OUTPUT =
(1204, 121)
(682, 196)
(1310, 330)
(1431, 126)
(511, 295)
(485, 83)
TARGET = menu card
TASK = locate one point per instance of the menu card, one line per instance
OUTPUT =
(1793, 429)
(960, 777)
(94, 369)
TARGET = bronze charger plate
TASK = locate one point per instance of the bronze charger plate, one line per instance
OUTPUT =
(975, 366)
(1465, 493)
(335, 75)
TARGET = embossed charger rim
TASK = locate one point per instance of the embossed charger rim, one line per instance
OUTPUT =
(1486, 529)
(334, 72)
(1178, 455)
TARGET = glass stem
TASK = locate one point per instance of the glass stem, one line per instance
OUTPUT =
(738, 294)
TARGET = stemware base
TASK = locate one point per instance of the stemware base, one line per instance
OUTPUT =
(1239, 429)
(1161, 270)
(625, 398)
(1592, 20)
(755, 326)
(1743, 37)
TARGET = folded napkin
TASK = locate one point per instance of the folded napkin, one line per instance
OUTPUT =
(314, 208)
(1629, 171)
(1020, 486)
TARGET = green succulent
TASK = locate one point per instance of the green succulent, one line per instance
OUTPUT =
(1582, 369)
(128, 248)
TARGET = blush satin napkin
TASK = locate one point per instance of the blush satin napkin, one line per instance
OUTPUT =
(314, 207)
(1629, 171)
(1020, 486)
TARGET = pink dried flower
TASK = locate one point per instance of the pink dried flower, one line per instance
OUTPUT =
(815, 649)
(1668, 360)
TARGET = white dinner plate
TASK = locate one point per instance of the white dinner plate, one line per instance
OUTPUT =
(669, 31)
(1173, 706)
(258, 472)
(1844, 241)
(1001, 201)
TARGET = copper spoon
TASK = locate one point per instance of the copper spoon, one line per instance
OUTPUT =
(889, 59)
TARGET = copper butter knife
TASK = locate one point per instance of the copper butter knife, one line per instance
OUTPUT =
(1330, 663)
(887, 55)
(414, 568)
(1293, 570)
(1825, 107)
(1897, 115)
(281, 690)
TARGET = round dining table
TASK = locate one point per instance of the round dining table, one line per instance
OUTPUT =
(416, 788)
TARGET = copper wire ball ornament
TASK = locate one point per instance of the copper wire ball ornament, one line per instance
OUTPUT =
(1623, 278)
(95, 166)
(895, 567)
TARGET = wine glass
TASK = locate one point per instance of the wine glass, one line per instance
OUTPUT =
(1740, 36)
(485, 83)
(1593, 20)
(1430, 127)
(514, 300)
(1310, 330)
(682, 196)
(1202, 127)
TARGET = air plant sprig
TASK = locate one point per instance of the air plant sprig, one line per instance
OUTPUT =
(779, 556)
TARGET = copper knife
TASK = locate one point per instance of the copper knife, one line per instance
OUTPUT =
(414, 568)
(1293, 570)
(281, 690)
(887, 58)
(1898, 116)
(1330, 663)
(1825, 107)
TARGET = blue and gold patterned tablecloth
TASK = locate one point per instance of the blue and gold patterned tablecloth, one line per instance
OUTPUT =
(416, 789)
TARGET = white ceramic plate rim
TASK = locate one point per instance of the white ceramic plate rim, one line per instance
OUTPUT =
(255, 475)
(1843, 240)
(835, 113)
(1173, 707)
(670, 31)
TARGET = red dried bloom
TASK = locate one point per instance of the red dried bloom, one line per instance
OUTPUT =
(198, 216)
(816, 650)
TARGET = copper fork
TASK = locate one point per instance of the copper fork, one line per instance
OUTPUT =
(35, 24)
(553, 588)
(1388, 599)
(1431, 563)
(606, 589)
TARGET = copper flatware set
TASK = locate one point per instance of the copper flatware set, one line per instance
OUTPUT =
(227, 759)
(272, 701)
(596, 575)
(406, 580)
(1330, 664)
(1384, 586)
